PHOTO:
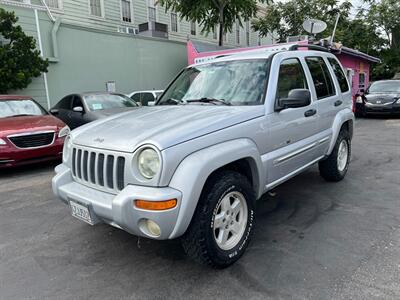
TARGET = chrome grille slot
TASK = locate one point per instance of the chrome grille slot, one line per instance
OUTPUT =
(110, 171)
(103, 170)
(79, 164)
(85, 165)
(120, 172)
(100, 169)
(92, 167)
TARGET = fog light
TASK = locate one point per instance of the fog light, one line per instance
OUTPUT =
(153, 228)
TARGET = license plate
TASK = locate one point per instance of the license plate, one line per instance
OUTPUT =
(81, 212)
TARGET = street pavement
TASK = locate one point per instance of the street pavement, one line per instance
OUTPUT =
(313, 240)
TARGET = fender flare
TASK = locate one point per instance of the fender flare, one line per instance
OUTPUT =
(341, 118)
(192, 173)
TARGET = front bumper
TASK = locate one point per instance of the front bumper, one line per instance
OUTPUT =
(388, 108)
(10, 156)
(119, 210)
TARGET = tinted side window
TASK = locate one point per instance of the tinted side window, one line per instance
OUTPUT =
(321, 77)
(77, 102)
(291, 76)
(146, 98)
(136, 97)
(344, 87)
(64, 103)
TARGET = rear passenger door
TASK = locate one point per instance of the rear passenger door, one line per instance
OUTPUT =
(328, 99)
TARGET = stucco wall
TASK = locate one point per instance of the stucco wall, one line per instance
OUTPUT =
(357, 65)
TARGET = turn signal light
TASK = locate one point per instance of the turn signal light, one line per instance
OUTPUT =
(156, 205)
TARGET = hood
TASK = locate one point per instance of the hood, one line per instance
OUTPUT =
(162, 126)
(112, 111)
(14, 125)
(382, 98)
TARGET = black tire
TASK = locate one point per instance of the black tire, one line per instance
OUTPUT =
(328, 168)
(199, 242)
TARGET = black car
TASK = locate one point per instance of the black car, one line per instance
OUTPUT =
(382, 97)
(78, 109)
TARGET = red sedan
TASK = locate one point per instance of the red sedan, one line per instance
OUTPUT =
(28, 133)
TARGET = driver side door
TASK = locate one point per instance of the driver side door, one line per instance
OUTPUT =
(293, 131)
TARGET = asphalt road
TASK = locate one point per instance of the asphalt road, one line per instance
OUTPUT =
(313, 239)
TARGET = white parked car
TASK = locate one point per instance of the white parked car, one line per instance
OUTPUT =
(146, 98)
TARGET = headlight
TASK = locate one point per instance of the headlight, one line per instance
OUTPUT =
(63, 131)
(2, 142)
(67, 148)
(148, 163)
(397, 100)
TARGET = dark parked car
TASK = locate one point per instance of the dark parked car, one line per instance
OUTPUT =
(382, 97)
(78, 109)
(28, 133)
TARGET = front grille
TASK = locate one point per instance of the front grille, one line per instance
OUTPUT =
(33, 140)
(100, 169)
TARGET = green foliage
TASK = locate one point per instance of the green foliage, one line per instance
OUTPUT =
(209, 13)
(375, 30)
(20, 61)
(285, 18)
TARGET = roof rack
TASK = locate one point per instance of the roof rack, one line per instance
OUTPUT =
(311, 47)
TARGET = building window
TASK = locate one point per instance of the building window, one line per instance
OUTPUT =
(193, 28)
(248, 33)
(152, 11)
(361, 81)
(174, 22)
(96, 8)
(215, 32)
(126, 10)
(56, 4)
(237, 31)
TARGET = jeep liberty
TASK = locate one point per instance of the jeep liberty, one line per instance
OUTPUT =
(222, 134)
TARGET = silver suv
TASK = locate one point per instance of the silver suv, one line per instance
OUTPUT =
(221, 135)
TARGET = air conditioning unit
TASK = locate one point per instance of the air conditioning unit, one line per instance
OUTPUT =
(154, 29)
(128, 30)
(297, 38)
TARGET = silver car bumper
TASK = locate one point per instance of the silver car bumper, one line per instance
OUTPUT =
(119, 210)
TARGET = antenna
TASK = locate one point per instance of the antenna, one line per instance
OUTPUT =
(314, 26)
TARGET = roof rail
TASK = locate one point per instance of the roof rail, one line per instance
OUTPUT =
(311, 47)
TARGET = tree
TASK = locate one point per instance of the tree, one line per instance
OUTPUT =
(20, 61)
(285, 18)
(209, 13)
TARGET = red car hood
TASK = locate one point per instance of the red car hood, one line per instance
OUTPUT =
(22, 124)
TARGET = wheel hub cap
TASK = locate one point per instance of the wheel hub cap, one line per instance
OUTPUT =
(230, 220)
(343, 154)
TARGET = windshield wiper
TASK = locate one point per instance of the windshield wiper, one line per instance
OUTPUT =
(209, 100)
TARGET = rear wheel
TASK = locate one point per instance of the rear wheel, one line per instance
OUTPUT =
(335, 167)
(221, 227)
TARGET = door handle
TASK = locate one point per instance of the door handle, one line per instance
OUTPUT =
(339, 102)
(310, 113)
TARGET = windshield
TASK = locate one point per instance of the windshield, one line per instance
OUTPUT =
(385, 87)
(108, 101)
(13, 108)
(230, 82)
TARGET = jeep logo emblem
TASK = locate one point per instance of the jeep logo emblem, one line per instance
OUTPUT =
(99, 140)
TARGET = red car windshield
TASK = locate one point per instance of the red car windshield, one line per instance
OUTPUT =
(15, 108)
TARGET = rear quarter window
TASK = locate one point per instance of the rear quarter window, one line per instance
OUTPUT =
(337, 69)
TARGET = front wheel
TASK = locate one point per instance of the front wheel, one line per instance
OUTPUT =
(335, 167)
(221, 227)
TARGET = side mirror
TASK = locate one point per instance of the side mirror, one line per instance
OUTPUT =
(296, 98)
(78, 109)
(54, 111)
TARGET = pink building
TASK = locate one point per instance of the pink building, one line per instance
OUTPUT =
(356, 63)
